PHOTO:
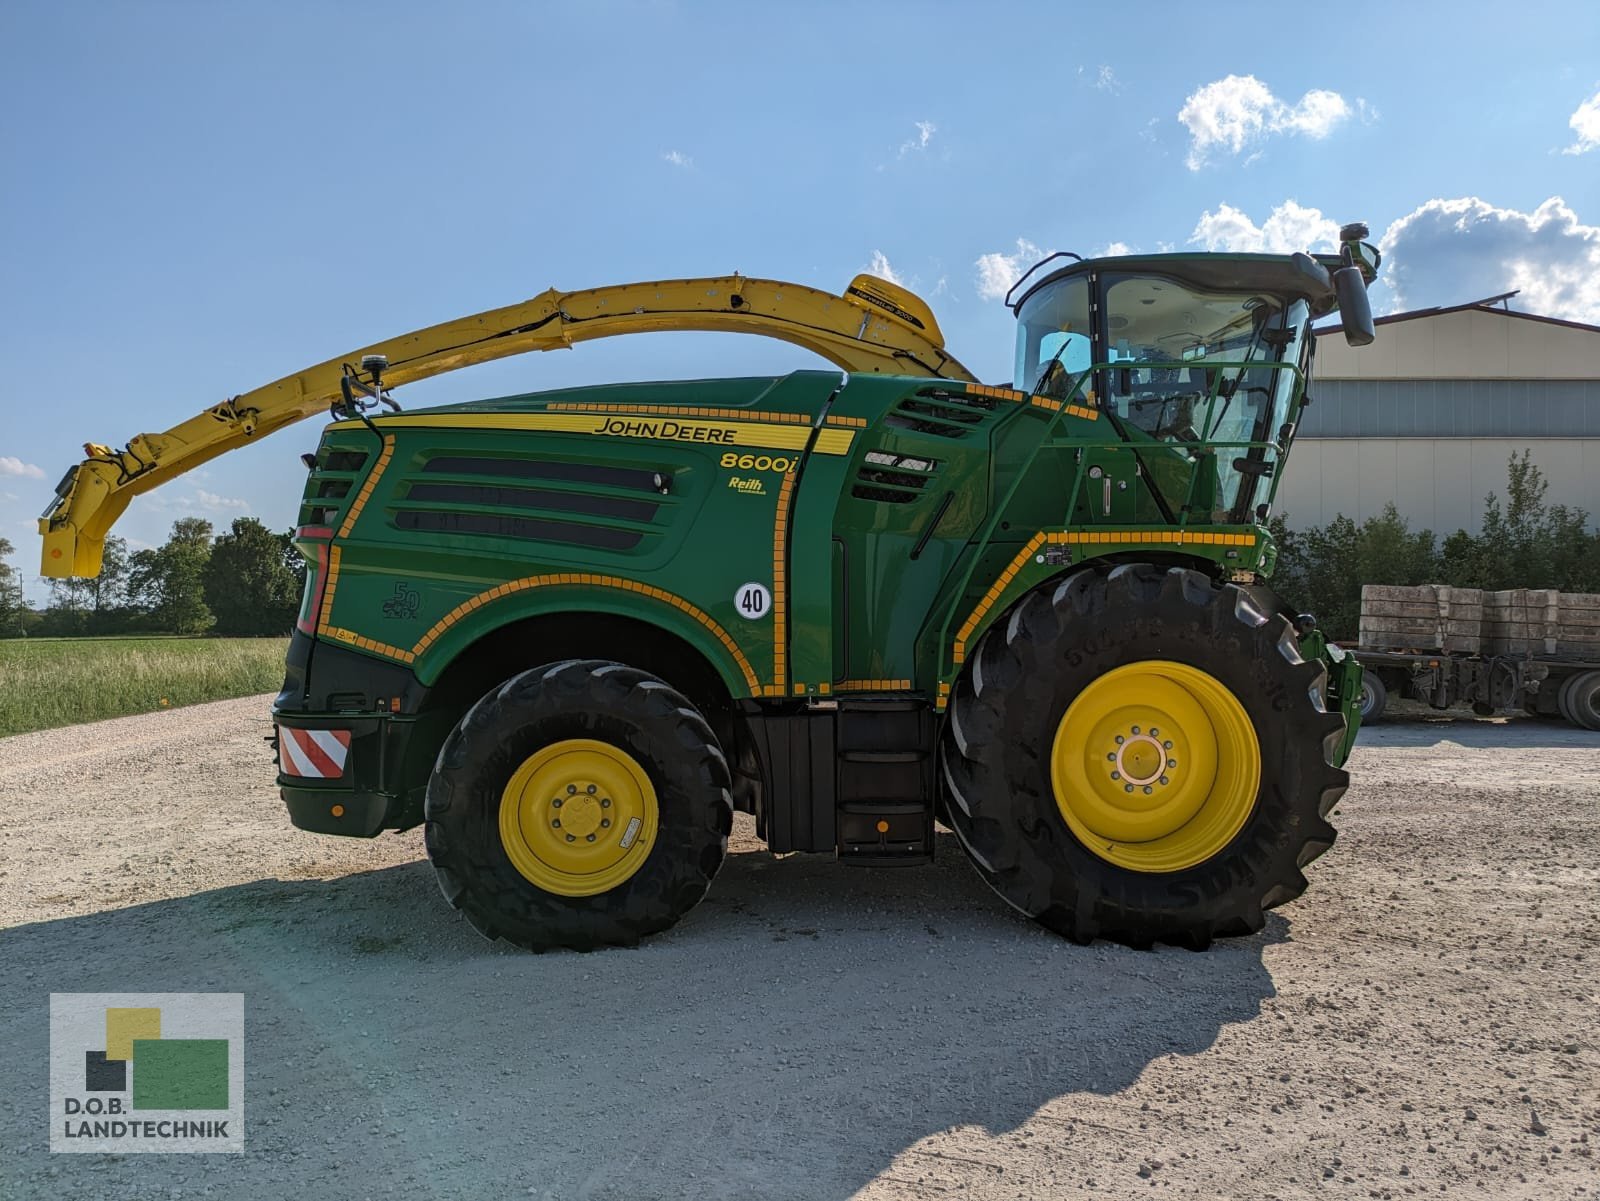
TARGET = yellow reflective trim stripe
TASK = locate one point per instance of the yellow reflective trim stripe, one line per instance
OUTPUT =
(591, 580)
(1079, 538)
(834, 442)
(995, 393)
(1046, 402)
(780, 583)
(703, 431)
(366, 488)
(767, 416)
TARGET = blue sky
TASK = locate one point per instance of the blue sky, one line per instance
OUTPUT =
(202, 197)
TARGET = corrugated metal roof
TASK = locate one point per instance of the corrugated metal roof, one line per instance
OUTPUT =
(1489, 304)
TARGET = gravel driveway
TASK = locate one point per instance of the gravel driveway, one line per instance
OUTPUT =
(1422, 1022)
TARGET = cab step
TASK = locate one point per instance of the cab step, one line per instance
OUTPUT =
(854, 776)
(885, 782)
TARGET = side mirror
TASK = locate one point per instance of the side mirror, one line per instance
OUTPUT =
(1355, 308)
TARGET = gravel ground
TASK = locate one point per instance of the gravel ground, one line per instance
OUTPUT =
(1423, 1022)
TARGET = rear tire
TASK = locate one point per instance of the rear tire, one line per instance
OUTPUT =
(1374, 697)
(1581, 700)
(999, 750)
(617, 881)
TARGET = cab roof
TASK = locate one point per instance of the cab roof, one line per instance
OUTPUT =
(1298, 274)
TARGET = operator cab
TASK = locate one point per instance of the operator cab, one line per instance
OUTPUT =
(1195, 359)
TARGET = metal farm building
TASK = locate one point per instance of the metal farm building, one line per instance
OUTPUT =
(1428, 414)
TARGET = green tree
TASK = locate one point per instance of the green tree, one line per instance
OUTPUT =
(167, 585)
(249, 582)
(1325, 566)
(12, 606)
(108, 591)
(67, 614)
(1526, 543)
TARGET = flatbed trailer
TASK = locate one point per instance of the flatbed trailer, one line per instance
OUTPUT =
(1538, 685)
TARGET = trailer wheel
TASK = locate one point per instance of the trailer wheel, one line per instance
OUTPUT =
(1374, 697)
(1562, 694)
(1142, 756)
(580, 804)
(1580, 699)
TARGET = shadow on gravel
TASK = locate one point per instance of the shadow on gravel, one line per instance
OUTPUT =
(1486, 733)
(801, 1029)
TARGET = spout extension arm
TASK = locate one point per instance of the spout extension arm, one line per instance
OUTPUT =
(874, 326)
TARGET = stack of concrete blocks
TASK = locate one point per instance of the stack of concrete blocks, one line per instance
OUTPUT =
(1428, 617)
(1578, 634)
(1521, 622)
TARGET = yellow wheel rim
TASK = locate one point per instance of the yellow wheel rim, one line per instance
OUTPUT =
(1155, 766)
(579, 817)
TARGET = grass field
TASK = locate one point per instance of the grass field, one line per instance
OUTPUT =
(49, 682)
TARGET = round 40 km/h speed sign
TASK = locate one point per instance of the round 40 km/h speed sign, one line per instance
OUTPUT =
(753, 601)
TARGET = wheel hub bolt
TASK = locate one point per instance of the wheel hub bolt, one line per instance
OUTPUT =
(591, 790)
(605, 802)
(571, 838)
(590, 837)
(556, 823)
(571, 789)
(556, 802)
(606, 821)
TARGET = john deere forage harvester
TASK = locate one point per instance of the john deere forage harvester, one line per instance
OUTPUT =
(572, 632)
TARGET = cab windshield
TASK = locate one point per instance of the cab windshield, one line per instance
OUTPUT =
(1213, 371)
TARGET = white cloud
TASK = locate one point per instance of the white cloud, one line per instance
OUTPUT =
(1287, 228)
(10, 465)
(1453, 251)
(880, 267)
(1114, 248)
(1239, 112)
(997, 272)
(1586, 124)
(210, 500)
(678, 159)
(1102, 78)
(9, 496)
(925, 132)
(185, 504)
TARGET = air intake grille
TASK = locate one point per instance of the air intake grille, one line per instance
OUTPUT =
(893, 479)
(941, 414)
(334, 479)
(591, 505)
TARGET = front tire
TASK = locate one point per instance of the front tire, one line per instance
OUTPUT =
(1176, 834)
(581, 804)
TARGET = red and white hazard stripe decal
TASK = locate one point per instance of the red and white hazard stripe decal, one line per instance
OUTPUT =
(315, 754)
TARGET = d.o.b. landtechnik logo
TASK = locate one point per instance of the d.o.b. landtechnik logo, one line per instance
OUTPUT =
(146, 1072)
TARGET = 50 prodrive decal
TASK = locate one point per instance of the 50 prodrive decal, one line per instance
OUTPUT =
(773, 435)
